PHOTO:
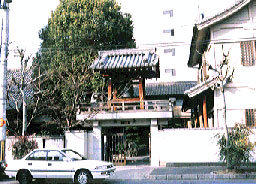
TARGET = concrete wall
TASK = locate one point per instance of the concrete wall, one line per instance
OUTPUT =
(238, 98)
(167, 146)
(53, 142)
(189, 145)
(80, 141)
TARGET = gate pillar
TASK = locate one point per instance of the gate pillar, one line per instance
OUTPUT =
(97, 142)
(154, 143)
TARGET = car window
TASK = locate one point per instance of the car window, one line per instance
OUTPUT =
(74, 155)
(37, 155)
(55, 156)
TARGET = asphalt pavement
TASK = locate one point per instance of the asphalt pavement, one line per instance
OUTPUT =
(179, 173)
(144, 174)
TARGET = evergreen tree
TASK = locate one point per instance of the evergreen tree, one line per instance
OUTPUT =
(75, 33)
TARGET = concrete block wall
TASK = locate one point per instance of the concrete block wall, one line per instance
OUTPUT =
(80, 141)
(191, 145)
(47, 142)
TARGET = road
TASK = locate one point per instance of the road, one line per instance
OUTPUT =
(154, 182)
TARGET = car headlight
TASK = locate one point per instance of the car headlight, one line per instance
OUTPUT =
(3, 165)
(103, 167)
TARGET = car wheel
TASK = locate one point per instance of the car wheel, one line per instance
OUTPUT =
(82, 177)
(24, 177)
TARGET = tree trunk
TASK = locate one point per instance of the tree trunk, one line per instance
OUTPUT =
(225, 125)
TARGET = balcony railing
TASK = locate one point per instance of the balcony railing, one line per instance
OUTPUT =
(113, 106)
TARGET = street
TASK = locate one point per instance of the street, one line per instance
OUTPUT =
(150, 182)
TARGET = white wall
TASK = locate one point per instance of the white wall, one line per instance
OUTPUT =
(80, 141)
(190, 145)
(225, 39)
(238, 98)
(54, 142)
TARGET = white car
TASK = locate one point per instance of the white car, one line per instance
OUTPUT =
(58, 164)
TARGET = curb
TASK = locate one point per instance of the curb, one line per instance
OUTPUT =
(211, 176)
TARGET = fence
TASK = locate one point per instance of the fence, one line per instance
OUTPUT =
(116, 105)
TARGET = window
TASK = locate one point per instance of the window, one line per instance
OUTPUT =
(37, 155)
(55, 156)
(172, 71)
(166, 51)
(170, 31)
(248, 53)
(250, 117)
(168, 12)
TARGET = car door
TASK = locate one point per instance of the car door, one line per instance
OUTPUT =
(58, 165)
(36, 163)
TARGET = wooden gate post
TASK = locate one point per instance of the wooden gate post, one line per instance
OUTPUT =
(141, 92)
(109, 92)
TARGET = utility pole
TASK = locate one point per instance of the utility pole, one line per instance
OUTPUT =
(23, 68)
(4, 6)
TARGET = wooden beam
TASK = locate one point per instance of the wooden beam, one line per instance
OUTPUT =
(205, 112)
(115, 93)
(142, 92)
(109, 92)
(201, 123)
(114, 97)
(126, 100)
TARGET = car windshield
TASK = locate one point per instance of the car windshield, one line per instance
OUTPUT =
(74, 155)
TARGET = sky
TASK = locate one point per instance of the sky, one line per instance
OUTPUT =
(28, 17)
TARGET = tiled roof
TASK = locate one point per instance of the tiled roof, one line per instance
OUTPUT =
(201, 32)
(223, 14)
(126, 59)
(199, 88)
(167, 88)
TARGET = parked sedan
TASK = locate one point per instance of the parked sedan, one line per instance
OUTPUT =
(58, 164)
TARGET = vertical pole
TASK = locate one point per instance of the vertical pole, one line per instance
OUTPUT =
(24, 125)
(109, 92)
(114, 97)
(200, 118)
(3, 75)
(205, 113)
(141, 92)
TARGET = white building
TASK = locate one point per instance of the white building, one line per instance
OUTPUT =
(164, 25)
(226, 39)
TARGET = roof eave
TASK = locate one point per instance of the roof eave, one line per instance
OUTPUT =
(198, 89)
(199, 44)
(223, 15)
(201, 32)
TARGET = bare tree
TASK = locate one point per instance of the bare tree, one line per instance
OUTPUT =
(225, 75)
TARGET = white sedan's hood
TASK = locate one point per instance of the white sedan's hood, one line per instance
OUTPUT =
(91, 164)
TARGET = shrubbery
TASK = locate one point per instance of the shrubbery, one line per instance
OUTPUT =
(239, 149)
(23, 146)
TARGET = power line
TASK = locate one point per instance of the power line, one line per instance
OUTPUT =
(158, 45)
